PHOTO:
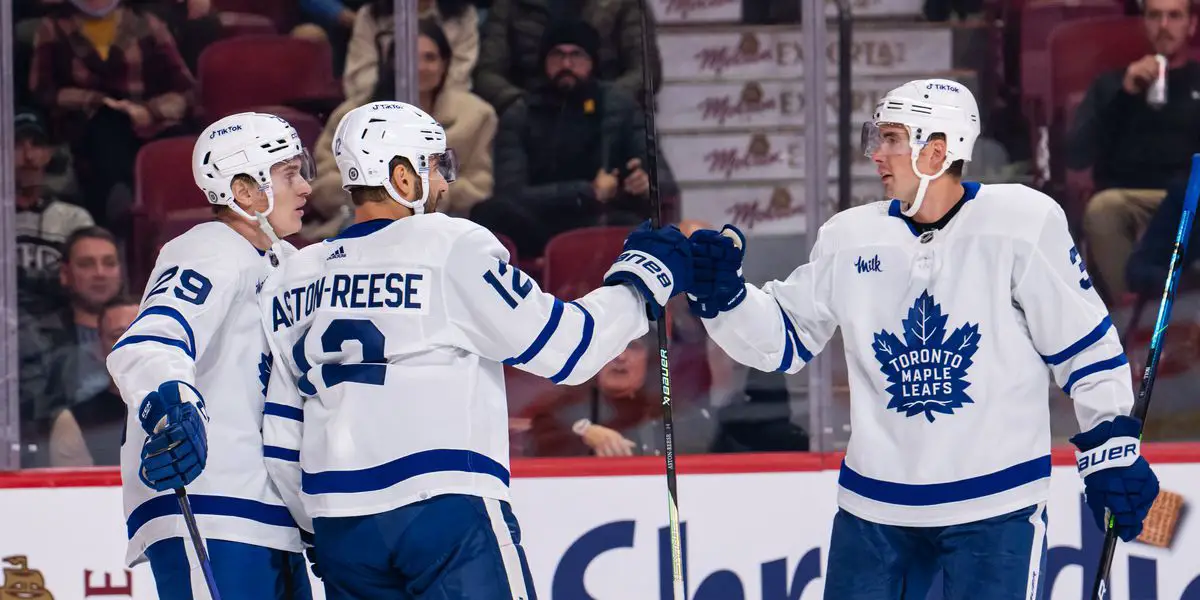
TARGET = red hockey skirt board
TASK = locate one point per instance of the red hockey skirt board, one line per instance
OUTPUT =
(757, 528)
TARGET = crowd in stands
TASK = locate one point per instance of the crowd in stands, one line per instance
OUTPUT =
(542, 101)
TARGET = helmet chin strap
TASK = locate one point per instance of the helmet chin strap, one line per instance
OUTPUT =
(263, 224)
(925, 181)
(418, 207)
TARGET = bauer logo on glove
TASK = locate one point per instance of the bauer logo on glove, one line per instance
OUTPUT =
(647, 262)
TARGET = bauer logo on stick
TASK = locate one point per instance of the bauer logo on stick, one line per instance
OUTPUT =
(927, 371)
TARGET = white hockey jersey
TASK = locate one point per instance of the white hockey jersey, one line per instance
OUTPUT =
(948, 336)
(199, 323)
(393, 334)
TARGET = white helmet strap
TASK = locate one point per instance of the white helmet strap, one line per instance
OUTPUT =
(418, 206)
(925, 180)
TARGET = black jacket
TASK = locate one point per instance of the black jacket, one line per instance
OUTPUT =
(548, 149)
(1127, 143)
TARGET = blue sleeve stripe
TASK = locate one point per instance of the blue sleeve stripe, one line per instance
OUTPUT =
(1084, 343)
(250, 510)
(402, 469)
(787, 350)
(584, 341)
(789, 329)
(1096, 367)
(170, 312)
(137, 339)
(909, 494)
(281, 453)
(540, 341)
(282, 410)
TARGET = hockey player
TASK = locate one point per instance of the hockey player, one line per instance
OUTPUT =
(954, 299)
(395, 334)
(192, 369)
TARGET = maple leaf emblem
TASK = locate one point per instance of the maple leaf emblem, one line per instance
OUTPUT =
(927, 371)
(264, 372)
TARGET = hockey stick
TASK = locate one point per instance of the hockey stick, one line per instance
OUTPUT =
(197, 542)
(1142, 404)
(664, 370)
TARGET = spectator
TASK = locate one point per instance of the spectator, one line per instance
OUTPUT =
(91, 276)
(331, 21)
(42, 221)
(369, 62)
(91, 433)
(1135, 149)
(510, 62)
(1146, 273)
(569, 155)
(470, 125)
(618, 413)
(193, 23)
(111, 79)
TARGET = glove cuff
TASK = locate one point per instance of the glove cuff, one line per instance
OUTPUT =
(153, 411)
(657, 279)
(1120, 451)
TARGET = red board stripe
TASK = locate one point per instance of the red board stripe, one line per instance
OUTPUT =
(695, 464)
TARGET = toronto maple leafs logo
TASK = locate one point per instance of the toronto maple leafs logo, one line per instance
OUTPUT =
(264, 372)
(927, 370)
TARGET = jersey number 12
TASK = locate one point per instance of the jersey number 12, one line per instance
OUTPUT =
(372, 370)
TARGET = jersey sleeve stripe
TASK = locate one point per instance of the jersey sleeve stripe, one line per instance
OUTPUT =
(282, 410)
(388, 474)
(251, 510)
(793, 342)
(1082, 344)
(281, 453)
(585, 340)
(1096, 367)
(137, 339)
(172, 313)
(909, 494)
(540, 342)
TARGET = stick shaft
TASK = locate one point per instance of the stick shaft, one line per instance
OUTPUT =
(197, 542)
(1141, 405)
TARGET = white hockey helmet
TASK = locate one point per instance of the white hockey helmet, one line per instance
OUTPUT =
(248, 144)
(369, 137)
(925, 107)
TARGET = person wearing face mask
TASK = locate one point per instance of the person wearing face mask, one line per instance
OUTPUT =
(193, 369)
(957, 302)
(111, 78)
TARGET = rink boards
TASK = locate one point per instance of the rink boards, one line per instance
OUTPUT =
(756, 528)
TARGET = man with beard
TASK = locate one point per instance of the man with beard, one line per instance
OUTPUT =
(570, 153)
(43, 222)
(1136, 144)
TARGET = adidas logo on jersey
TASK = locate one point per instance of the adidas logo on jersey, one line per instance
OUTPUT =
(339, 253)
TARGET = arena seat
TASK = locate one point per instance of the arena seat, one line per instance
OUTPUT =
(575, 261)
(282, 70)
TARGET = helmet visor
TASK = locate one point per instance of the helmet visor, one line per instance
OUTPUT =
(446, 163)
(884, 138)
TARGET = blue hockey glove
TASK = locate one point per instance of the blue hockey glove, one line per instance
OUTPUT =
(717, 282)
(1115, 476)
(176, 450)
(657, 262)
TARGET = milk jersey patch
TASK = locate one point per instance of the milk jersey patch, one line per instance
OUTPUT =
(927, 370)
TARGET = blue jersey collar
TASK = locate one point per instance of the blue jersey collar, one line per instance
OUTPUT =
(363, 229)
(970, 189)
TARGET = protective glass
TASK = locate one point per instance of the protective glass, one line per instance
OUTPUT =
(446, 163)
(286, 174)
(885, 142)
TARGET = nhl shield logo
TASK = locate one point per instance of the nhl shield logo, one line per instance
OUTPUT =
(927, 371)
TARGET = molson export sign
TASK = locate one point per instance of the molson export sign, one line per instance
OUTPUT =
(730, 11)
(715, 157)
(740, 55)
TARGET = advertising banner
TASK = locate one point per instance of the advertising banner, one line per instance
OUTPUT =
(747, 536)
